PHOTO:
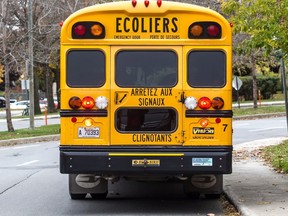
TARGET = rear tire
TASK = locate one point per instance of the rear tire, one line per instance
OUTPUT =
(99, 196)
(77, 196)
(212, 196)
(193, 195)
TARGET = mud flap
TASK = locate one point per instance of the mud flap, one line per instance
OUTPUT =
(82, 184)
(207, 184)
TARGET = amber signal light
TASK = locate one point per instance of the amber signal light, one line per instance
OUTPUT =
(75, 102)
(217, 103)
(96, 30)
(196, 30)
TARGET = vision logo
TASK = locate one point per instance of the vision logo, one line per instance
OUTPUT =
(198, 130)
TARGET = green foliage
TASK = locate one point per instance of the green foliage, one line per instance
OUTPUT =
(264, 22)
(268, 85)
(277, 156)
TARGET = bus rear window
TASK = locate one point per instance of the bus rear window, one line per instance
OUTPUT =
(85, 68)
(206, 69)
(146, 68)
(153, 119)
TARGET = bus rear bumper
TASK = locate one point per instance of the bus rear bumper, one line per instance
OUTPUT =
(141, 161)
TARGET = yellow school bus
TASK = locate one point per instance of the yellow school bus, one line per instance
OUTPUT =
(146, 94)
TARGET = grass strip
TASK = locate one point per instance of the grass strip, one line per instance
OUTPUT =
(259, 110)
(277, 156)
(37, 131)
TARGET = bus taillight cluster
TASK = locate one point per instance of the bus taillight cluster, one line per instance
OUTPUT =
(88, 102)
(204, 30)
(88, 30)
(204, 103)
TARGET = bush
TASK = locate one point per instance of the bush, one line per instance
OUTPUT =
(266, 84)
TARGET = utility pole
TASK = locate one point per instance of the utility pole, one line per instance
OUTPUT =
(30, 56)
(283, 73)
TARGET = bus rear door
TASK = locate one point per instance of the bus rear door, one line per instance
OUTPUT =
(146, 88)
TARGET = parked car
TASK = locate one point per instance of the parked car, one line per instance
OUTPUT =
(2, 102)
(13, 101)
(44, 103)
(20, 105)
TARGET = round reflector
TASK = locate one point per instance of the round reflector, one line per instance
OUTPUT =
(96, 30)
(204, 122)
(75, 102)
(196, 30)
(101, 102)
(217, 102)
(73, 119)
(190, 103)
(204, 103)
(218, 120)
(88, 122)
(213, 30)
(79, 30)
(88, 102)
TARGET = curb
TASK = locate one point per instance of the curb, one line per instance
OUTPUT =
(12, 142)
(259, 116)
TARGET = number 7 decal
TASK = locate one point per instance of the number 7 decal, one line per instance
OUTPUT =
(225, 126)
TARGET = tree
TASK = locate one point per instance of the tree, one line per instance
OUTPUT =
(264, 22)
(3, 25)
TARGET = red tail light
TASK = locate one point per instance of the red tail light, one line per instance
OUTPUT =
(79, 30)
(204, 103)
(88, 102)
(213, 30)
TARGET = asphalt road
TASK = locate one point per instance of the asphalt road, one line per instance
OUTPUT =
(32, 185)
(257, 129)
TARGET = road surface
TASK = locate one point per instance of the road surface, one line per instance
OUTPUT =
(30, 183)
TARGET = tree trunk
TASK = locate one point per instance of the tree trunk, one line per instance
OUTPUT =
(37, 109)
(6, 68)
(49, 89)
(254, 82)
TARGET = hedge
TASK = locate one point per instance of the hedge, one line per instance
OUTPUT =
(268, 85)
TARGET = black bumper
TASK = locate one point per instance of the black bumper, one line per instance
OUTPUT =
(146, 160)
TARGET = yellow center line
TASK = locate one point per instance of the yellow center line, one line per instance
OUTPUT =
(148, 154)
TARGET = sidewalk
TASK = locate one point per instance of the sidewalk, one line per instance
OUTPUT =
(253, 187)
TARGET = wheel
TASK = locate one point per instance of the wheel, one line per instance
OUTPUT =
(212, 196)
(77, 196)
(99, 195)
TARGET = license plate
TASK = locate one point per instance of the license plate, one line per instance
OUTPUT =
(88, 132)
(145, 162)
(202, 162)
